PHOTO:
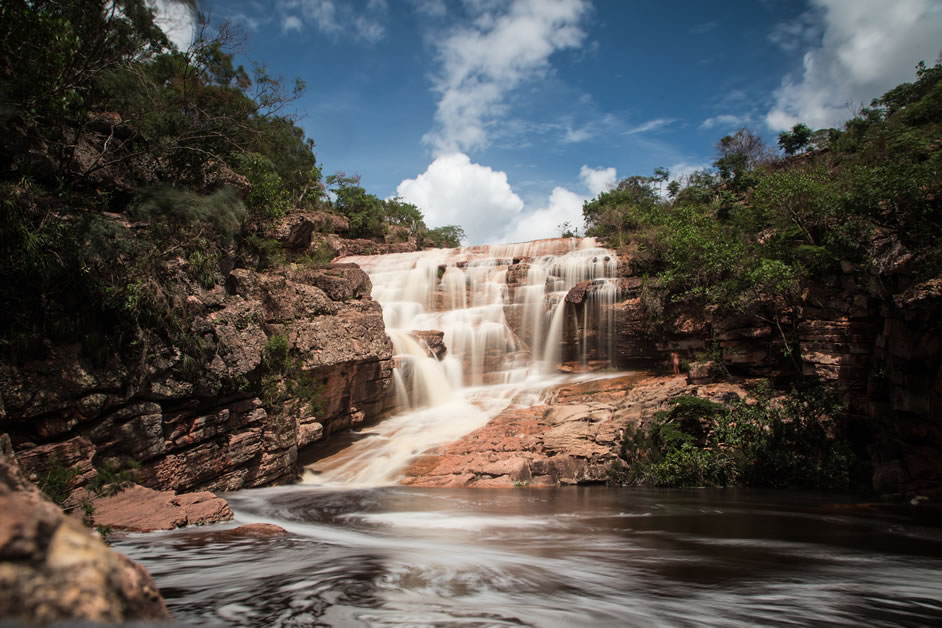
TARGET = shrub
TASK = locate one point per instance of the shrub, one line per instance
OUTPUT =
(787, 443)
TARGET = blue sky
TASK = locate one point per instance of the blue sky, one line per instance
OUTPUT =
(504, 116)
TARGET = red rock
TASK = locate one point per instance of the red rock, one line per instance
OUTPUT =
(141, 509)
(258, 529)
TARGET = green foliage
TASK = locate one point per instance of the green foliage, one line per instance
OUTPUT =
(275, 354)
(365, 211)
(268, 251)
(286, 385)
(268, 198)
(56, 480)
(111, 477)
(784, 443)
(446, 237)
(202, 268)
(796, 140)
(403, 214)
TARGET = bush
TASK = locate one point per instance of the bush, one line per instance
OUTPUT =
(787, 443)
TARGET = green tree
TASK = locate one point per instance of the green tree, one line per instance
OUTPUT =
(796, 140)
(365, 211)
(448, 236)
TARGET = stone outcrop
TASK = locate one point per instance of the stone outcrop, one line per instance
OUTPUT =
(229, 422)
(54, 569)
(433, 341)
(141, 509)
(572, 438)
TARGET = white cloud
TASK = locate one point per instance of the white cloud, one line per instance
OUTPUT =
(333, 18)
(563, 206)
(724, 120)
(291, 23)
(502, 49)
(432, 8)
(867, 47)
(176, 20)
(597, 180)
(454, 191)
(650, 125)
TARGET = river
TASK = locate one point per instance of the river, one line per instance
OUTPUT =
(361, 551)
(572, 556)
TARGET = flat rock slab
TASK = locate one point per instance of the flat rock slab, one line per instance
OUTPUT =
(142, 509)
(574, 437)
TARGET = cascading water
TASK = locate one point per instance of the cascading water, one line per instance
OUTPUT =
(502, 311)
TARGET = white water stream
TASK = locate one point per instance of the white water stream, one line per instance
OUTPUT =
(501, 311)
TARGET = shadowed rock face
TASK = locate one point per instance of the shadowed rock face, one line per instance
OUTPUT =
(53, 568)
(207, 428)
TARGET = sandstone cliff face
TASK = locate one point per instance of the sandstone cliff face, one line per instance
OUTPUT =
(880, 344)
(53, 569)
(208, 426)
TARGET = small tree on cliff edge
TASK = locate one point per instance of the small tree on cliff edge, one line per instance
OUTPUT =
(796, 140)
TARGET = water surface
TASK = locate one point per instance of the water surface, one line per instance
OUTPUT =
(549, 557)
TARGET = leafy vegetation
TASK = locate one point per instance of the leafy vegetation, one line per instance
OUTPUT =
(760, 442)
(125, 160)
(745, 235)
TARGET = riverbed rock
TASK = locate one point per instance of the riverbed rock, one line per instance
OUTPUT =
(141, 509)
(54, 569)
(572, 438)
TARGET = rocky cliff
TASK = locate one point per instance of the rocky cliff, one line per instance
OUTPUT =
(230, 422)
(876, 337)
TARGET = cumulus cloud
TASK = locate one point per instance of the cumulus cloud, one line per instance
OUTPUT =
(481, 63)
(455, 191)
(432, 8)
(291, 23)
(176, 20)
(563, 206)
(597, 180)
(867, 47)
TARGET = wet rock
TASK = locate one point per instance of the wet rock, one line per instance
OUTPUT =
(433, 341)
(141, 509)
(257, 530)
(573, 439)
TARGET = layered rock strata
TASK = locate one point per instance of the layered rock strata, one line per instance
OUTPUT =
(229, 422)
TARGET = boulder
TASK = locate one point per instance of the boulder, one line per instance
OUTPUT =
(54, 569)
(141, 509)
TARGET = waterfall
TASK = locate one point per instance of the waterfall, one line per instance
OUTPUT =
(503, 313)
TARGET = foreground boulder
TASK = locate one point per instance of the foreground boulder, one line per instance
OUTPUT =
(53, 569)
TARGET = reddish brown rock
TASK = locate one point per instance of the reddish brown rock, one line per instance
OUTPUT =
(257, 530)
(433, 342)
(53, 569)
(572, 439)
(141, 509)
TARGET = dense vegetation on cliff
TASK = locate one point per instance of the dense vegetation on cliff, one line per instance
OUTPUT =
(834, 250)
(755, 226)
(130, 170)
